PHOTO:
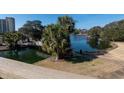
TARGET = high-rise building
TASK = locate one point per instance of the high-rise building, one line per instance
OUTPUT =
(7, 25)
(10, 24)
(2, 25)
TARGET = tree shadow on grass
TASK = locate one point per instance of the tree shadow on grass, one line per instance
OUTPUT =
(79, 58)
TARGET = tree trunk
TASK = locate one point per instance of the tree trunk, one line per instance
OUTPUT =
(57, 58)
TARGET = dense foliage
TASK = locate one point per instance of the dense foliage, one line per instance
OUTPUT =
(111, 32)
(115, 31)
(77, 31)
(67, 23)
(12, 38)
(98, 38)
(32, 29)
(56, 40)
(95, 31)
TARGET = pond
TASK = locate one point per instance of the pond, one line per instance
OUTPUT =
(80, 42)
(30, 55)
(27, 55)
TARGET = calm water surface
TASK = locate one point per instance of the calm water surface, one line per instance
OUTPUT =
(80, 42)
(29, 55)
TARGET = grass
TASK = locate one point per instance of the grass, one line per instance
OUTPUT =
(84, 68)
(95, 67)
(79, 58)
(89, 65)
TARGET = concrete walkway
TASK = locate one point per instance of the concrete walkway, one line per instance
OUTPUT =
(116, 54)
(11, 69)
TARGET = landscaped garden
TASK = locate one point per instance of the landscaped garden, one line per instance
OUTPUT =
(59, 40)
(62, 46)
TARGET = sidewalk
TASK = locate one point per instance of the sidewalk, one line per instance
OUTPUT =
(11, 69)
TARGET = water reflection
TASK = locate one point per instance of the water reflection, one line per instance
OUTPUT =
(80, 42)
(25, 55)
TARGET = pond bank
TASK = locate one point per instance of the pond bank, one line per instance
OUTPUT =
(109, 65)
(27, 55)
(101, 52)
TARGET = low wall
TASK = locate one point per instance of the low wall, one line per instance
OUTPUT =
(11, 69)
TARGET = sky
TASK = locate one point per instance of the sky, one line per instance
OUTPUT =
(83, 21)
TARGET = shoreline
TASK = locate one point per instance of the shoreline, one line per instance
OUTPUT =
(100, 52)
(109, 65)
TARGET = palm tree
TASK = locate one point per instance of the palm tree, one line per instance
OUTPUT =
(67, 22)
(68, 25)
(56, 37)
(55, 41)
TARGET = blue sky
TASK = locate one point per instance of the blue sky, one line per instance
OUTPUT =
(84, 21)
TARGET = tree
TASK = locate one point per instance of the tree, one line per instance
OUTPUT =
(93, 42)
(55, 42)
(94, 34)
(95, 31)
(67, 23)
(56, 37)
(77, 31)
(99, 38)
(104, 41)
(115, 30)
(32, 29)
(12, 38)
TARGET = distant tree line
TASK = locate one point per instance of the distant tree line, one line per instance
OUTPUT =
(115, 31)
(100, 37)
